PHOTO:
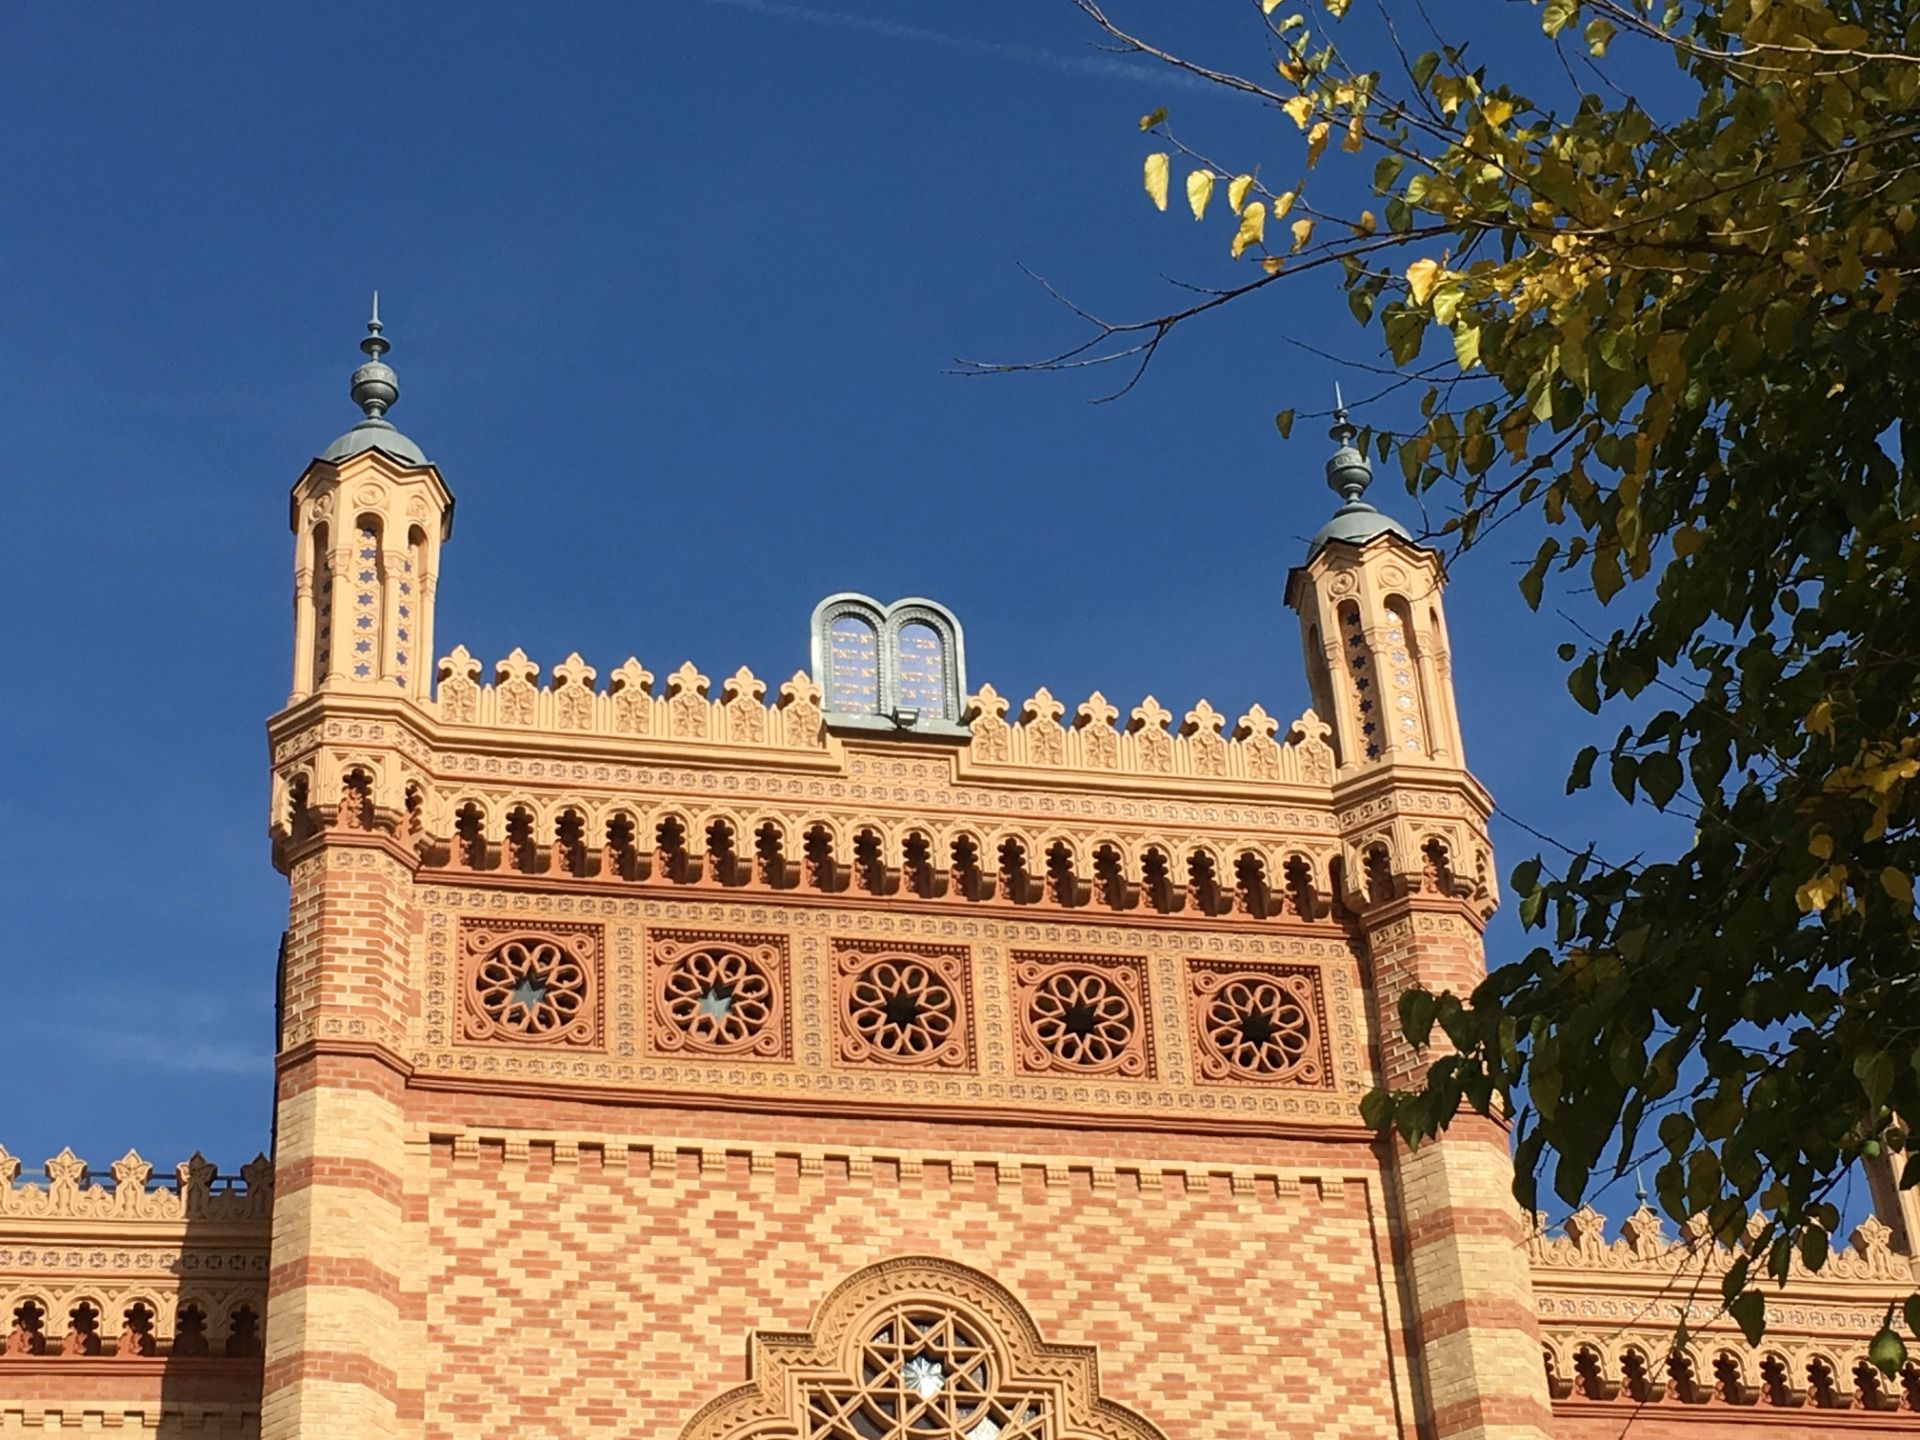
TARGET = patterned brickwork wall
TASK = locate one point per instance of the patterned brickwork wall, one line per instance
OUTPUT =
(590, 1289)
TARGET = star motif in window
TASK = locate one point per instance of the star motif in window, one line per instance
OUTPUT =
(924, 1377)
(715, 1004)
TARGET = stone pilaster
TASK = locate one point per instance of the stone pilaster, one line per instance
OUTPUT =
(1462, 1238)
(334, 1291)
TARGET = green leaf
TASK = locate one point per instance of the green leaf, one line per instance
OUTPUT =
(1598, 35)
(1910, 1307)
(1423, 68)
(1874, 1070)
(1887, 1351)
(1386, 172)
(1153, 118)
(1581, 776)
(1376, 1108)
(1556, 15)
(1659, 777)
(1536, 573)
(1583, 685)
(1283, 422)
(1749, 1312)
(1417, 1010)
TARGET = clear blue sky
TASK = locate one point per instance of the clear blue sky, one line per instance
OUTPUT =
(672, 291)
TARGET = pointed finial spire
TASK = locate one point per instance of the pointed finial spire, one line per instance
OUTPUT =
(375, 387)
(1348, 473)
(1639, 1185)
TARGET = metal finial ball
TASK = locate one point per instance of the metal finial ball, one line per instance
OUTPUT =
(375, 388)
(1348, 473)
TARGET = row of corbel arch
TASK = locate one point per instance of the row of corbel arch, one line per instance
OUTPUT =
(1820, 1377)
(732, 848)
(88, 1320)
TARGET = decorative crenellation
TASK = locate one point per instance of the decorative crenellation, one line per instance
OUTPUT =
(1039, 736)
(197, 1192)
(1201, 749)
(1643, 1248)
(684, 709)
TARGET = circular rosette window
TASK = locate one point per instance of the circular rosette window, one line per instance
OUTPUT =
(903, 1008)
(1083, 1018)
(531, 987)
(720, 998)
(1259, 1027)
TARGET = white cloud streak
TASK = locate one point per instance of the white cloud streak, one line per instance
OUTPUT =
(1098, 67)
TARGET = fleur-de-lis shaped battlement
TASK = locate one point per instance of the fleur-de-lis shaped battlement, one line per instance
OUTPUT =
(67, 1193)
(1642, 1247)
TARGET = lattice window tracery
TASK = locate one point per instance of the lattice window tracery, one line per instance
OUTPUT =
(923, 1371)
(721, 995)
(1084, 1015)
(919, 1349)
(539, 987)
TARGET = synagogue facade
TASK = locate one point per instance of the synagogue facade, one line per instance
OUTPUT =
(868, 1055)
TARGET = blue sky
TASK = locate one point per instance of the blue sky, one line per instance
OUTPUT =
(673, 293)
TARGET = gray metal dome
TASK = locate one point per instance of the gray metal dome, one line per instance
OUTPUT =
(375, 389)
(1348, 476)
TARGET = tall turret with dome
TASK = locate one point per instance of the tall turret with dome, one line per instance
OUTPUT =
(370, 514)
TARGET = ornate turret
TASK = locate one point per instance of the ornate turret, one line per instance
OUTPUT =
(370, 513)
(1371, 626)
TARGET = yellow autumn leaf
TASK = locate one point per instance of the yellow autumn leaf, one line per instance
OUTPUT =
(1316, 142)
(1199, 191)
(1302, 232)
(1819, 719)
(1898, 884)
(1820, 846)
(1687, 541)
(1422, 276)
(1366, 224)
(1498, 112)
(1253, 228)
(1155, 179)
(1267, 7)
(1820, 892)
(1356, 134)
(1300, 108)
(1237, 190)
(1282, 204)
(1466, 346)
(1272, 263)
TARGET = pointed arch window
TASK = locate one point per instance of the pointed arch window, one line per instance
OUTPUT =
(897, 667)
(919, 1349)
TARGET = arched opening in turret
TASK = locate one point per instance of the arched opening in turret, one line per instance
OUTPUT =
(320, 567)
(366, 601)
(407, 615)
(1368, 731)
(1252, 895)
(1408, 717)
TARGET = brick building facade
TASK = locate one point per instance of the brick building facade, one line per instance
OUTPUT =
(863, 1057)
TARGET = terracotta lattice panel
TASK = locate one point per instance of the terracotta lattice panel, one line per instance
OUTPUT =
(533, 985)
(904, 1004)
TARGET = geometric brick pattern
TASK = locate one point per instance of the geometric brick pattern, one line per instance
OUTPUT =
(1220, 1305)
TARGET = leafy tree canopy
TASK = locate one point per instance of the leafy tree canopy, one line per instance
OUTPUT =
(1687, 341)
